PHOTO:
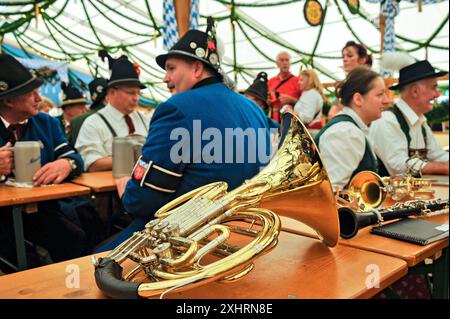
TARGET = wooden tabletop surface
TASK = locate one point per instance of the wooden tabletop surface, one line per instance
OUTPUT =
(411, 253)
(97, 181)
(298, 267)
(10, 195)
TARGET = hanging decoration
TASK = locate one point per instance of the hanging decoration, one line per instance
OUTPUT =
(67, 45)
(353, 6)
(313, 12)
(170, 26)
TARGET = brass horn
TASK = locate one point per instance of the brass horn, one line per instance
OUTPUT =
(190, 242)
(367, 190)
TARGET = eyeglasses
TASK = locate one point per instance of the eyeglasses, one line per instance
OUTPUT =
(129, 92)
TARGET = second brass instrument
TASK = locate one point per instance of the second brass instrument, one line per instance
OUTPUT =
(367, 190)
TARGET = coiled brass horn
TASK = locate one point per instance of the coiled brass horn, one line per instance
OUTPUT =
(180, 248)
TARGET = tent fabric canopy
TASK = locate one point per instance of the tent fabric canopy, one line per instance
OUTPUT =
(74, 31)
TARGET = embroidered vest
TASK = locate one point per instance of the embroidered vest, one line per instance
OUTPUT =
(369, 161)
(412, 152)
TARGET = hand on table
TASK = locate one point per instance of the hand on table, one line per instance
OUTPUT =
(53, 173)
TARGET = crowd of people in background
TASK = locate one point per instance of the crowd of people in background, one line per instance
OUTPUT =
(358, 133)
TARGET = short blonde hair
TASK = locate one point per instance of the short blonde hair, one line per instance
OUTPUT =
(313, 81)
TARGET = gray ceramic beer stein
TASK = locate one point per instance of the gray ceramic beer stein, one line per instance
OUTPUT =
(27, 160)
(125, 152)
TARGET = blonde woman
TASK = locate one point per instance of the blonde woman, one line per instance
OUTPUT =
(309, 106)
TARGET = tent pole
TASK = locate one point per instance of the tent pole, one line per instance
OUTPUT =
(182, 13)
(233, 28)
(382, 29)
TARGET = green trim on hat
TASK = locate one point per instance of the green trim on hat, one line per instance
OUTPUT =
(73, 101)
(7, 92)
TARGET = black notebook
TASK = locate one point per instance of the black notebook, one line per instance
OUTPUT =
(413, 230)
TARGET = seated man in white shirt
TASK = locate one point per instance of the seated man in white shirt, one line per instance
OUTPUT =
(402, 139)
(117, 119)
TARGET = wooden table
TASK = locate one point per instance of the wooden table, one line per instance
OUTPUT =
(18, 197)
(298, 267)
(413, 255)
(99, 182)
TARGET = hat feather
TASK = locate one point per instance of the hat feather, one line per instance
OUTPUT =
(220, 48)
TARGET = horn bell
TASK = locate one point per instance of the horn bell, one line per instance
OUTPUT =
(306, 194)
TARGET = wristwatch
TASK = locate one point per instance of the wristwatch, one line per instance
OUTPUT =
(72, 163)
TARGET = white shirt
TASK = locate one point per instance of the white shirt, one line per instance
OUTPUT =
(391, 145)
(342, 148)
(7, 124)
(309, 104)
(95, 139)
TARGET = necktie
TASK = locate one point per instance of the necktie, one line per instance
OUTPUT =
(15, 132)
(130, 125)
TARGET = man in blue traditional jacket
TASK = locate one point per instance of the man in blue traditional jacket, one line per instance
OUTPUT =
(204, 133)
(20, 120)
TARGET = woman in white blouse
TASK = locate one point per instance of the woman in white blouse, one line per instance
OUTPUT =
(309, 106)
(344, 145)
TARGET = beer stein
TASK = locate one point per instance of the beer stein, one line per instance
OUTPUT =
(27, 160)
(125, 152)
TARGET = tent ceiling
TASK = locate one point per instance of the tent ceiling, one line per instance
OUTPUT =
(124, 23)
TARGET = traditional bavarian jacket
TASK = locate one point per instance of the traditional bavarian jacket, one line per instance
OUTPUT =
(98, 130)
(345, 149)
(203, 115)
(46, 129)
(405, 148)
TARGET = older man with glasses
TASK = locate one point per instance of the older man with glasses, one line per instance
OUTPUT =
(118, 118)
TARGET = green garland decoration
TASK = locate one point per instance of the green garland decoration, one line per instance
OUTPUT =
(22, 3)
(117, 12)
(319, 35)
(57, 42)
(427, 43)
(109, 48)
(155, 25)
(91, 25)
(302, 60)
(66, 37)
(60, 11)
(439, 47)
(116, 24)
(8, 27)
(21, 46)
(40, 52)
(19, 33)
(258, 5)
(351, 29)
